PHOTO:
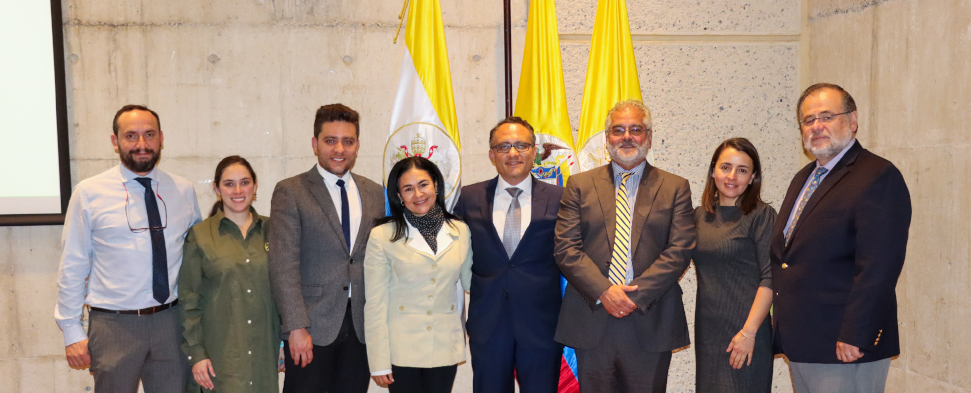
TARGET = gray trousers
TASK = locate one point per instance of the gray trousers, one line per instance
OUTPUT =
(619, 365)
(849, 378)
(128, 348)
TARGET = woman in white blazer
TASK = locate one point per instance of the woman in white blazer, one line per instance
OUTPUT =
(415, 258)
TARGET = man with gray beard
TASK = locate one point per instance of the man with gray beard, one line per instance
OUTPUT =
(837, 251)
(624, 236)
(121, 255)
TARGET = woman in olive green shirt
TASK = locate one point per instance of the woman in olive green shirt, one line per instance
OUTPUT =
(232, 330)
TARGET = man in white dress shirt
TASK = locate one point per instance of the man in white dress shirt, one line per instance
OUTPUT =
(121, 255)
(515, 294)
(321, 222)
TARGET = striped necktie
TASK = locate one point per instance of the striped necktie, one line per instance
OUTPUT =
(618, 261)
(805, 198)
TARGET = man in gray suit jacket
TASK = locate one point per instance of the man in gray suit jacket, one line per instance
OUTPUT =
(321, 221)
(624, 236)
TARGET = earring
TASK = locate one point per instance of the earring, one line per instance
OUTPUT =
(402, 202)
(219, 198)
(254, 197)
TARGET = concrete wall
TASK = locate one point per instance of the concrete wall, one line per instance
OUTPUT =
(244, 77)
(906, 64)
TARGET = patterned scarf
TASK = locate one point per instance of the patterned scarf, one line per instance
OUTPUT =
(428, 225)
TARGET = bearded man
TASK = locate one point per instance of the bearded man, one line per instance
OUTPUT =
(624, 236)
(121, 255)
(837, 251)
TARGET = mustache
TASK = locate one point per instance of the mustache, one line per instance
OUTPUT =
(141, 151)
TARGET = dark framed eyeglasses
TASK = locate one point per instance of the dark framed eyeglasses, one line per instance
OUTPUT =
(823, 118)
(150, 228)
(636, 131)
(521, 147)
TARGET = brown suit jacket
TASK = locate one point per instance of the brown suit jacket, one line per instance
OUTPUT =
(662, 239)
(310, 265)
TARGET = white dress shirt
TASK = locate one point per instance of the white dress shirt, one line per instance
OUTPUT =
(353, 202)
(500, 206)
(99, 246)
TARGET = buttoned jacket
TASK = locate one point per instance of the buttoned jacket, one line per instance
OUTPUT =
(836, 279)
(310, 265)
(413, 312)
(663, 235)
(527, 284)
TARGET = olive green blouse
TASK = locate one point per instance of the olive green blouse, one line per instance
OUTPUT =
(228, 312)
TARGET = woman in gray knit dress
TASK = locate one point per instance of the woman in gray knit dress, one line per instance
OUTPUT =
(733, 343)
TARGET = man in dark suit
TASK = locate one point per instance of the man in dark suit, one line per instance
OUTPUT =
(515, 294)
(837, 251)
(320, 228)
(624, 236)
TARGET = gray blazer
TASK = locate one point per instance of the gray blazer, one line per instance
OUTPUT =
(310, 265)
(663, 236)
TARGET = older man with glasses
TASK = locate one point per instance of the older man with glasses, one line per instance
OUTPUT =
(837, 251)
(624, 236)
(121, 255)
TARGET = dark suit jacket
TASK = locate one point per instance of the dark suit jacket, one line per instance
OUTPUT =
(662, 239)
(528, 284)
(835, 281)
(310, 265)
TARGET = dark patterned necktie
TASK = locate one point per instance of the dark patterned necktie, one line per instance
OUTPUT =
(345, 215)
(160, 263)
(802, 202)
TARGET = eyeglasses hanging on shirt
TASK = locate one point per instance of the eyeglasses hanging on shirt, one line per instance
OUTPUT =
(150, 228)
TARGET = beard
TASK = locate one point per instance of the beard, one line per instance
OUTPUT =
(628, 159)
(836, 145)
(128, 159)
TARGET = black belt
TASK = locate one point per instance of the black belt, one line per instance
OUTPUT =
(144, 311)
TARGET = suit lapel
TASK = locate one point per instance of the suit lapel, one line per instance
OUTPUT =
(315, 183)
(452, 232)
(788, 204)
(603, 181)
(839, 171)
(487, 203)
(646, 192)
(371, 205)
(540, 201)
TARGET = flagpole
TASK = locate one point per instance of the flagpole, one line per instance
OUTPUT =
(507, 38)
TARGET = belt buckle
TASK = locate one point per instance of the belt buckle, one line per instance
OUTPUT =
(139, 312)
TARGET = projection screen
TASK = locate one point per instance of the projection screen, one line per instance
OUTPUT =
(35, 180)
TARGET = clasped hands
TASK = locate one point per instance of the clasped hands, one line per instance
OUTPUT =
(616, 301)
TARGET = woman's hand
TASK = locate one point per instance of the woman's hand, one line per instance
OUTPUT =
(201, 372)
(383, 380)
(741, 348)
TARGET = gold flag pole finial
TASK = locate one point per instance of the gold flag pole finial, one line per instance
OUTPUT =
(401, 20)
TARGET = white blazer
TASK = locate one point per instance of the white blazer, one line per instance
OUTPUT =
(412, 316)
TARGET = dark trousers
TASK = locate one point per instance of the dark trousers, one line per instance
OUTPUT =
(128, 348)
(340, 367)
(494, 361)
(422, 380)
(619, 365)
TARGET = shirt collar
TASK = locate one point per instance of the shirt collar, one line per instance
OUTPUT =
(127, 175)
(638, 170)
(526, 185)
(832, 163)
(331, 178)
(220, 217)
